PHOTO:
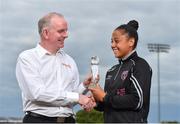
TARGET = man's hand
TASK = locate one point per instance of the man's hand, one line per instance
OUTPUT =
(84, 100)
(88, 80)
(87, 102)
(91, 105)
(98, 93)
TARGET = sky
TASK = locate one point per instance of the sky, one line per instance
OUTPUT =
(91, 23)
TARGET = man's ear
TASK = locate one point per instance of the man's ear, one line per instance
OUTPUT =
(45, 33)
(131, 42)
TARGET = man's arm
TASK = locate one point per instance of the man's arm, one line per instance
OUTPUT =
(33, 87)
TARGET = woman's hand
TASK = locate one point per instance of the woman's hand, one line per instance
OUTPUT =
(98, 93)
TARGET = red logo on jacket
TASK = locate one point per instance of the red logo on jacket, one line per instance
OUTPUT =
(121, 91)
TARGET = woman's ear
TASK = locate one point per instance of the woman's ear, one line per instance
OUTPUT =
(131, 42)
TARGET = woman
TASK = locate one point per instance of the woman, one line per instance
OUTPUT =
(126, 94)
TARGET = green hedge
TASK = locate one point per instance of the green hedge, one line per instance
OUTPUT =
(89, 117)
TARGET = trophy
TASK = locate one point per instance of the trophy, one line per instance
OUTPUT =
(94, 70)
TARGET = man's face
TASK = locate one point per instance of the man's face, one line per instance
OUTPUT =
(121, 44)
(57, 32)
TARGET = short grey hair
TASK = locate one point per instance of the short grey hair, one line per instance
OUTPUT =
(46, 20)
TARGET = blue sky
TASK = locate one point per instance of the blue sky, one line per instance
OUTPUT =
(91, 23)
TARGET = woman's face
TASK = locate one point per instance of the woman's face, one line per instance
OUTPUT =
(121, 44)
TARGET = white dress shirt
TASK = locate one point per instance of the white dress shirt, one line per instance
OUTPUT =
(49, 82)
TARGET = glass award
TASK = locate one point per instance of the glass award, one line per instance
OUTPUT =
(94, 70)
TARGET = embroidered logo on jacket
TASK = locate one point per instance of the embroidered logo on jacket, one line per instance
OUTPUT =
(124, 75)
(121, 91)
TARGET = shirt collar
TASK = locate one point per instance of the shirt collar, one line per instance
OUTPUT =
(42, 51)
(127, 56)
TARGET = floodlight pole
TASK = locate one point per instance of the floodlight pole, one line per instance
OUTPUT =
(158, 48)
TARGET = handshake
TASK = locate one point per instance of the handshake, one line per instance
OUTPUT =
(89, 102)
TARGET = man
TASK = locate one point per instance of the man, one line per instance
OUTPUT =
(127, 87)
(48, 77)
